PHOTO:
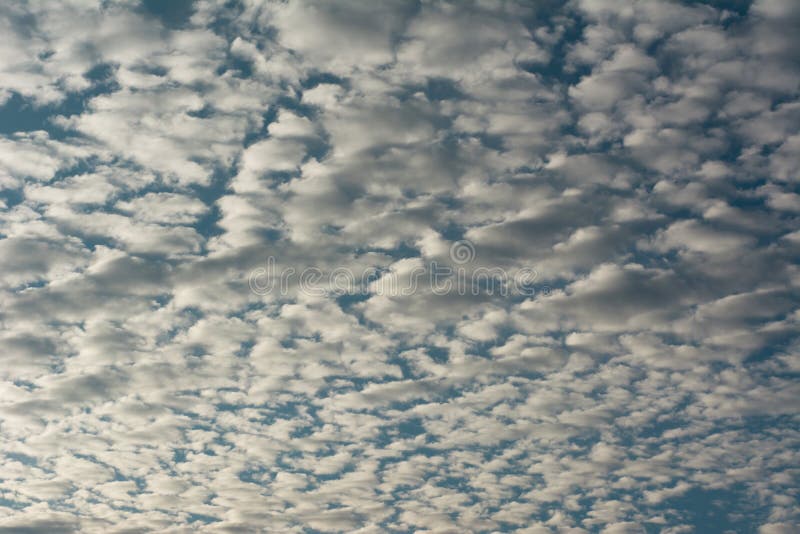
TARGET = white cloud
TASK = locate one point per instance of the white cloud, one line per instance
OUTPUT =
(640, 159)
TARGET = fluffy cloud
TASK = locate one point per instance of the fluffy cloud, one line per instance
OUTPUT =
(162, 164)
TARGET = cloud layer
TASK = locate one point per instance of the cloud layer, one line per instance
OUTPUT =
(641, 159)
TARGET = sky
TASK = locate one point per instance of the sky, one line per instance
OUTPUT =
(400, 266)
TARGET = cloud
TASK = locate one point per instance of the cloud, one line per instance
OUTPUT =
(638, 163)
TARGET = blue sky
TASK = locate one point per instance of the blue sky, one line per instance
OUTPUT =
(627, 173)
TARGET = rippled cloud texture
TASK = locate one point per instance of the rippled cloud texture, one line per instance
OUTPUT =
(639, 158)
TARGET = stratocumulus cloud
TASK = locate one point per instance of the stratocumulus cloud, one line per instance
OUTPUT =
(219, 224)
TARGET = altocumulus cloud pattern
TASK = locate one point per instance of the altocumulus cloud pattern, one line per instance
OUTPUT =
(171, 171)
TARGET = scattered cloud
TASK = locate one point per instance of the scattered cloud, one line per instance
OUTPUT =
(640, 161)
